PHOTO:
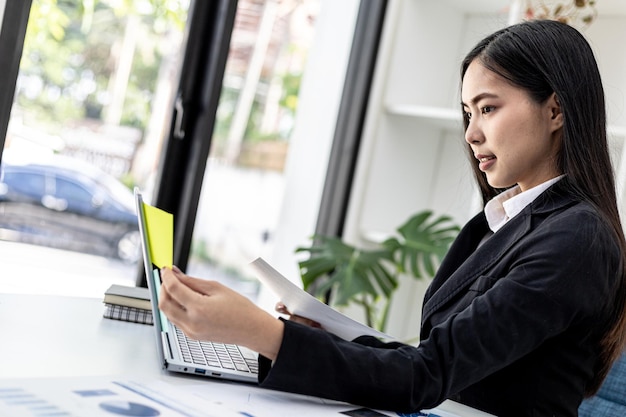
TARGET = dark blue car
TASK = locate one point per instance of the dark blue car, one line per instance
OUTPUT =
(66, 204)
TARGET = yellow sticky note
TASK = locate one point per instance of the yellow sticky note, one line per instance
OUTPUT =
(160, 231)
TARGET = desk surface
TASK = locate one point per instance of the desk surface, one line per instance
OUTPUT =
(55, 336)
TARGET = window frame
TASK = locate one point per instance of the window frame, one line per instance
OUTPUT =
(12, 34)
(181, 168)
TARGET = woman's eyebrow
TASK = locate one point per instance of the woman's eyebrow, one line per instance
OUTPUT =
(479, 97)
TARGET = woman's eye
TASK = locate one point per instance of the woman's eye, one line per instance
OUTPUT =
(486, 109)
(468, 115)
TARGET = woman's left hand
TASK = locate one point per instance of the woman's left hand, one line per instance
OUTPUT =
(282, 309)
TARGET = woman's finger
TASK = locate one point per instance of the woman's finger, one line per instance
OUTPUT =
(281, 308)
(173, 309)
(201, 286)
(176, 292)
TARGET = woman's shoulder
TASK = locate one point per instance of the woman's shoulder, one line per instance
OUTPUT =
(559, 205)
(582, 214)
(580, 222)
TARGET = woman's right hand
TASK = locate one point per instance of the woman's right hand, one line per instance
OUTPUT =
(208, 310)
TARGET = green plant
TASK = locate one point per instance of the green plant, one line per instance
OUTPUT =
(369, 277)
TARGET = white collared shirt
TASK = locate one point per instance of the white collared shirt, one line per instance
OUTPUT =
(509, 203)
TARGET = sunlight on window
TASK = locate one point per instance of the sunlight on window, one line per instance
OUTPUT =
(94, 88)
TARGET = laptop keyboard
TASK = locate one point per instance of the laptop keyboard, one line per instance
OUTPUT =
(215, 354)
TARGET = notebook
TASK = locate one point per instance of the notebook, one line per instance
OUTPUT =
(125, 313)
(177, 352)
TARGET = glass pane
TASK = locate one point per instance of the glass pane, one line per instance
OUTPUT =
(93, 94)
(243, 186)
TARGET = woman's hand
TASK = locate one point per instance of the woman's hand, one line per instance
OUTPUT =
(208, 310)
(282, 309)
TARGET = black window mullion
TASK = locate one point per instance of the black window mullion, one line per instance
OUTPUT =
(12, 35)
(183, 162)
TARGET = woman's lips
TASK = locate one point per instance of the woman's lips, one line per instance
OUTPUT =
(485, 161)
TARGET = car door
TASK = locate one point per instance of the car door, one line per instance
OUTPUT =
(78, 206)
(22, 192)
(91, 215)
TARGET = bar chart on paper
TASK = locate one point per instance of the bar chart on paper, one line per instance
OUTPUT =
(95, 397)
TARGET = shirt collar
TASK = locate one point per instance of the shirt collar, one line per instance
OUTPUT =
(509, 203)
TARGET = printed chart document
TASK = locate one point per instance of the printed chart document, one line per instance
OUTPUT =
(99, 396)
(106, 397)
(301, 303)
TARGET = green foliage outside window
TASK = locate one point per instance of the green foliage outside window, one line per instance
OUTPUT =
(69, 57)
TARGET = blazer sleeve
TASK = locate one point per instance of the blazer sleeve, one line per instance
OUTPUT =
(559, 276)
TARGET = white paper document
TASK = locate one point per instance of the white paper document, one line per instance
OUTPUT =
(251, 401)
(301, 303)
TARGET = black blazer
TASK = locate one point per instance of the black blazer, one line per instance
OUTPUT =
(511, 326)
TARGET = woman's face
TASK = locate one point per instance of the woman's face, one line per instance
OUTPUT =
(514, 139)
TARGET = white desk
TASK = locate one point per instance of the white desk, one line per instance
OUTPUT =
(54, 336)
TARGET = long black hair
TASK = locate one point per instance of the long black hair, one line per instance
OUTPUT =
(545, 57)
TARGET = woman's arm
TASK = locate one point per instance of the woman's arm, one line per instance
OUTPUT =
(556, 277)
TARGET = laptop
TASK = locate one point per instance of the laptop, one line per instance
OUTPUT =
(177, 352)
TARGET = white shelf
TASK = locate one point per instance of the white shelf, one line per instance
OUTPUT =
(439, 116)
(449, 118)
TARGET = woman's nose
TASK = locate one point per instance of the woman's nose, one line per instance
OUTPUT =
(473, 133)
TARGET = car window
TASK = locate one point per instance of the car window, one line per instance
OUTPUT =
(28, 183)
(72, 192)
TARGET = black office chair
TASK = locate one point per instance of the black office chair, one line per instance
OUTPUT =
(610, 400)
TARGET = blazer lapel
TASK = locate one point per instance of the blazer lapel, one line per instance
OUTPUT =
(482, 259)
(466, 266)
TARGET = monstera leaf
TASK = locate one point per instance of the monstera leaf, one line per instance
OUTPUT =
(365, 277)
(423, 245)
(348, 271)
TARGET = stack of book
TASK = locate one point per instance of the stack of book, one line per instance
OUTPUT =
(128, 304)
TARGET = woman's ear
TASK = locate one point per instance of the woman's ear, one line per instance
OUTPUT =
(556, 113)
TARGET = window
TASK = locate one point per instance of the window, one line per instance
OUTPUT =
(286, 98)
(93, 93)
(243, 186)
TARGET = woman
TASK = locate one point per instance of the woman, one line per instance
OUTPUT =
(526, 312)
